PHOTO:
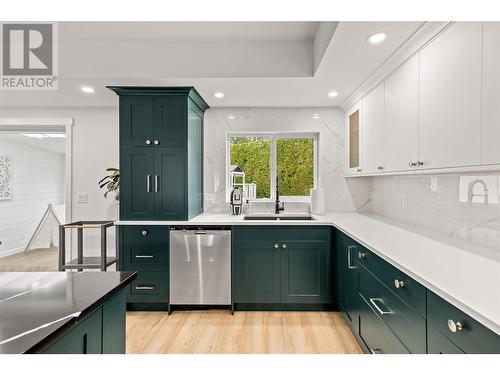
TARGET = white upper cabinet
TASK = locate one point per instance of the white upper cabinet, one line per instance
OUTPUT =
(401, 116)
(450, 98)
(373, 130)
(490, 127)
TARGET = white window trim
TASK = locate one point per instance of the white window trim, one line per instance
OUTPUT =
(273, 136)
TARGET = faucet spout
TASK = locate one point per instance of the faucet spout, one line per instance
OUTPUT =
(279, 206)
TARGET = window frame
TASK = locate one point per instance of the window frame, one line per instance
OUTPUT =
(273, 137)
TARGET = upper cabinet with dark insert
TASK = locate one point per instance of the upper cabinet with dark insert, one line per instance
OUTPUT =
(161, 152)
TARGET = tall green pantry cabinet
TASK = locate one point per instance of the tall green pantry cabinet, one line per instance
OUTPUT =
(161, 178)
(161, 152)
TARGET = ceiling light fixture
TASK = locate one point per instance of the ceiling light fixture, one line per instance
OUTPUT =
(87, 89)
(376, 38)
(231, 117)
(333, 94)
(219, 95)
(315, 115)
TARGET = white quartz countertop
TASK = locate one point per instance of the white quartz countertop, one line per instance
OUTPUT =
(466, 279)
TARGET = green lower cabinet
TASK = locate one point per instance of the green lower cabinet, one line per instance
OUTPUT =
(305, 272)
(102, 332)
(256, 271)
(281, 265)
(376, 335)
(439, 344)
(346, 277)
(145, 249)
(84, 338)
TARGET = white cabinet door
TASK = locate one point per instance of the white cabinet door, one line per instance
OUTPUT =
(353, 136)
(373, 130)
(490, 126)
(450, 98)
(401, 116)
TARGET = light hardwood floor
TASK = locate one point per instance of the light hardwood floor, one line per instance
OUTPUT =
(37, 260)
(218, 332)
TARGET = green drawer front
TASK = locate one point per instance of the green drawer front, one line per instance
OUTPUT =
(376, 335)
(438, 344)
(144, 248)
(405, 322)
(278, 233)
(409, 290)
(473, 338)
(149, 287)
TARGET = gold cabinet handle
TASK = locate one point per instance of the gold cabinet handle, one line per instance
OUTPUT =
(284, 246)
(399, 284)
(276, 245)
(144, 287)
(144, 256)
(361, 255)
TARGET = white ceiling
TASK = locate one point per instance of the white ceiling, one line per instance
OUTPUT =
(261, 64)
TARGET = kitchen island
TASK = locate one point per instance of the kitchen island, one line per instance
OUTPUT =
(63, 312)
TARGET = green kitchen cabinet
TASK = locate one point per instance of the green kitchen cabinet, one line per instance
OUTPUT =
(145, 249)
(103, 331)
(282, 265)
(84, 338)
(136, 120)
(169, 183)
(347, 277)
(136, 182)
(305, 271)
(161, 152)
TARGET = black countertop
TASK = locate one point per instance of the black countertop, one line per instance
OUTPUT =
(35, 307)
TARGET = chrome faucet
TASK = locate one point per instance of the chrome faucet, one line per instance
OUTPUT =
(280, 206)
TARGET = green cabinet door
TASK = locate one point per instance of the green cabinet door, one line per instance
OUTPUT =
(256, 268)
(136, 183)
(169, 183)
(114, 324)
(170, 120)
(84, 338)
(439, 344)
(136, 121)
(347, 276)
(305, 267)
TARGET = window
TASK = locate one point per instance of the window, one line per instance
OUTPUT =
(254, 161)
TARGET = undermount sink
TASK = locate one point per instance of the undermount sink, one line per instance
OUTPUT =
(278, 217)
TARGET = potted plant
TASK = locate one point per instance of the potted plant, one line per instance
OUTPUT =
(111, 183)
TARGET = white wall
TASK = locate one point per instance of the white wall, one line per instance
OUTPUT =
(331, 129)
(95, 147)
(37, 180)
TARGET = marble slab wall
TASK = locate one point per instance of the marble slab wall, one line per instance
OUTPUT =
(330, 126)
(462, 208)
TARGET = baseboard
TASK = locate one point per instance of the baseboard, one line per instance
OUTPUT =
(147, 307)
(285, 307)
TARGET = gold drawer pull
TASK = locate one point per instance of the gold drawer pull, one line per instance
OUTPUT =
(145, 256)
(144, 288)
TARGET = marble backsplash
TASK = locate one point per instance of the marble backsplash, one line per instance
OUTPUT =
(329, 124)
(465, 209)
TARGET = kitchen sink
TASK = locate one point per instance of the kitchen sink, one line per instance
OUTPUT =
(278, 217)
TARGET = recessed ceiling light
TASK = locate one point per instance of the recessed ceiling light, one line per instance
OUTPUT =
(87, 89)
(231, 117)
(219, 95)
(315, 115)
(377, 38)
(333, 94)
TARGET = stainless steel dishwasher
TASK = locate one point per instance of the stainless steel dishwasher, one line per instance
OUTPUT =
(200, 265)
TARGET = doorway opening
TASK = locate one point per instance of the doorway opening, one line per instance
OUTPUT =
(35, 182)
